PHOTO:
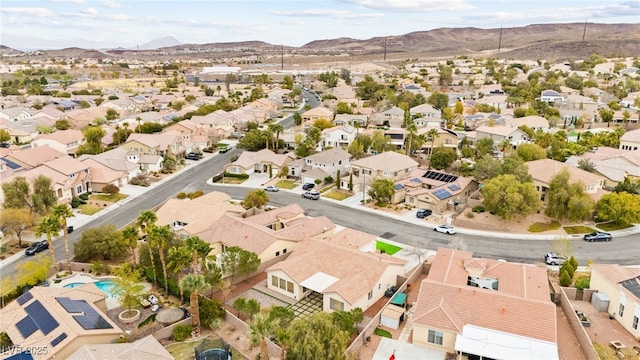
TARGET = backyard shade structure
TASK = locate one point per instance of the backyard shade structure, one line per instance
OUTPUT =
(600, 301)
(391, 316)
(169, 316)
(399, 299)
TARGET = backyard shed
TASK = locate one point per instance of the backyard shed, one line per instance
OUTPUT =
(399, 299)
(600, 301)
(391, 316)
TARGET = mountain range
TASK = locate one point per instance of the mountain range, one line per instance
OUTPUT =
(540, 41)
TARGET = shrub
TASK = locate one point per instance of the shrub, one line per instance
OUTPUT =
(318, 181)
(565, 279)
(583, 282)
(328, 179)
(181, 332)
(568, 268)
(110, 189)
(195, 194)
(478, 209)
(216, 178)
(75, 202)
(210, 311)
(84, 196)
(470, 214)
(182, 195)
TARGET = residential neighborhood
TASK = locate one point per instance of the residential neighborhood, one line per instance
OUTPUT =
(441, 208)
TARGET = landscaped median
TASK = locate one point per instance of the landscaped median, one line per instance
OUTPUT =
(387, 248)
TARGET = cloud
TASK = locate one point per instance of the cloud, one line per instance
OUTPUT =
(89, 11)
(39, 12)
(120, 17)
(79, 2)
(413, 5)
(338, 14)
(111, 4)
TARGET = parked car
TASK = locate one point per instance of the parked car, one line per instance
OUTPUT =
(390, 291)
(308, 186)
(445, 229)
(598, 236)
(554, 259)
(37, 247)
(272, 188)
(423, 213)
(5, 145)
(192, 156)
(313, 195)
(69, 229)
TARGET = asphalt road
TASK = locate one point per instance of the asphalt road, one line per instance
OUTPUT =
(623, 250)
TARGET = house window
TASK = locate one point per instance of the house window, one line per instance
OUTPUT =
(336, 305)
(284, 251)
(79, 189)
(290, 287)
(435, 337)
(370, 295)
(274, 281)
(277, 253)
(634, 324)
(621, 310)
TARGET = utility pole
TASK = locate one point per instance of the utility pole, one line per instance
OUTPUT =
(584, 31)
(385, 49)
(282, 57)
(500, 40)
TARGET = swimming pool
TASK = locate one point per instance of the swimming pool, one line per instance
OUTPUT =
(105, 285)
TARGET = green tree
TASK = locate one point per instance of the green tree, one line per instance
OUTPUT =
(438, 100)
(111, 115)
(161, 236)
(484, 146)
(380, 142)
(212, 274)
(93, 140)
(565, 279)
(382, 190)
(103, 241)
(251, 308)
(38, 199)
(49, 227)
(128, 287)
(16, 221)
(239, 305)
(343, 108)
(61, 212)
(145, 222)
(530, 152)
(287, 82)
(130, 238)
(487, 167)
(628, 185)
(179, 259)
(236, 261)
(31, 273)
(567, 200)
(443, 157)
(255, 198)
(253, 140)
(622, 208)
(507, 197)
(356, 150)
(276, 129)
(297, 119)
(4, 136)
(194, 284)
(259, 329)
(316, 337)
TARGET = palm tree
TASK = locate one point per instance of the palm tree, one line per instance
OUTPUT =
(160, 235)
(267, 134)
(139, 119)
(194, 284)
(179, 259)
(145, 221)
(212, 274)
(260, 327)
(411, 129)
(130, 237)
(432, 135)
(277, 129)
(61, 212)
(200, 250)
(49, 227)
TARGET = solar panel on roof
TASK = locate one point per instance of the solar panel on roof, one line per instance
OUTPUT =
(26, 327)
(69, 305)
(11, 164)
(36, 311)
(454, 187)
(25, 355)
(441, 194)
(58, 339)
(399, 186)
(633, 285)
(90, 319)
(440, 176)
(24, 298)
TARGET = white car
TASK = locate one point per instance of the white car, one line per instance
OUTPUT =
(445, 229)
(554, 259)
(272, 188)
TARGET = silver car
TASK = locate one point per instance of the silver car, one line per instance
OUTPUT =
(445, 229)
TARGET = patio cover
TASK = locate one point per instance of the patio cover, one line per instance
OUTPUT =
(499, 345)
(319, 281)
(399, 299)
(391, 315)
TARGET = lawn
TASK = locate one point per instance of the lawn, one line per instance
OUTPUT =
(610, 226)
(108, 197)
(541, 227)
(88, 209)
(286, 184)
(231, 180)
(387, 248)
(578, 229)
(183, 350)
(337, 195)
(382, 332)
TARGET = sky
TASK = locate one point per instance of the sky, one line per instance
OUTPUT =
(55, 24)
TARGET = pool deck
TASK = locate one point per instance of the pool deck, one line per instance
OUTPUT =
(85, 278)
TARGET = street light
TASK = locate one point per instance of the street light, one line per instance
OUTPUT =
(364, 186)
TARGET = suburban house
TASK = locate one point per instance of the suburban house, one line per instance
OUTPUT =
(535, 122)
(31, 157)
(472, 122)
(269, 234)
(388, 165)
(187, 217)
(58, 320)
(630, 140)
(193, 133)
(445, 138)
(316, 113)
(621, 286)
(392, 117)
(338, 136)
(102, 175)
(544, 170)
(484, 308)
(15, 113)
(551, 96)
(127, 161)
(425, 111)
(500, 133)
(357, 121)
(122, 106)
(436, 190)
(66, 141)
(165, 144)
(145, 348)
(320, 165)
(339, 278)
(265, 161)
(219, 120)
(614, 164)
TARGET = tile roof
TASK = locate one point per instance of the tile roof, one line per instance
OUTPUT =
(357, 272)
(282, 214)
(67, 165)
(147, 348)
(632, 136)
(544, 170)
(351, 238)
(64, 136)
(36, 156)
(387, 161)
(102, 174)
(497, 130)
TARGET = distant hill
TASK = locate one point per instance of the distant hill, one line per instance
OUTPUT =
(551, 42)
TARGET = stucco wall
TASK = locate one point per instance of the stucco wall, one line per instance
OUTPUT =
(576, 326)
